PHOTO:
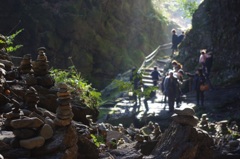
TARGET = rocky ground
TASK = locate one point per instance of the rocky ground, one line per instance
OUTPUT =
(43, 126)
(221, 109)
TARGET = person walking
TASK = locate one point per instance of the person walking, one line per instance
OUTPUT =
(198, 79)
(136, 80)
(181, 37)
(208, 64)
(202, 60)
(163, 89)
(155, 74)
(170, 86)
(174, 41)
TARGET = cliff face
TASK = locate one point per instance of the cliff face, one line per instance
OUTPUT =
(215, 26)
(103, 37)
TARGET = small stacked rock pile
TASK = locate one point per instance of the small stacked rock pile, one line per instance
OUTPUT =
(14, 114)
(30, 129)
(156, 132)
(203, 124)
(185, 117)
(31, 99)
(26, 64)
(31, 132)
(64, 112)
(41, 66)
(222, 127)
(41, 69)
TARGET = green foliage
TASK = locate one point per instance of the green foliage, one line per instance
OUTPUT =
(122, 85)
(78, 86)
(188, 6)
(129, 86)
(97, 140)
(9, 42)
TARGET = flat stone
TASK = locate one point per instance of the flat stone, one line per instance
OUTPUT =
(60, 111)
(25, 133)
(32, 122)
(64, 107)
(62, 94)
(65, 97)
(113, 134)
(34, 114)
(64, 101)
(60, 122)
(11, 115)
(46, 131)
(65, 117)
(49, 121)
(185, 111)
(185, 120)
(32, 142)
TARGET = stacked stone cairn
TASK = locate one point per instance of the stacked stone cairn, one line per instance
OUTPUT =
(156, 132)
(26, 70)
(222, 127)
(185, 117)
(64, 112)
(41, 66)
(14, 114)
(30, 129)
(26, 64)
(203, 124)
(41, 69)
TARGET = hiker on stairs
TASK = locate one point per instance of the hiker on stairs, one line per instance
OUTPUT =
(174, 42)
(136, 80)
(155, 74)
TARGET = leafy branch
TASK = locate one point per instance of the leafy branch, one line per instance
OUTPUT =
(9, 42)
(78, 86)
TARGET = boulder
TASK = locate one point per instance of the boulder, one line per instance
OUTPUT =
(33, 122)
(185, 120)
(46, 131)
(183, 142)
(32, 142)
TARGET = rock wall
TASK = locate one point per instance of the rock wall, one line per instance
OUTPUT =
(103, 37)
(215, 28)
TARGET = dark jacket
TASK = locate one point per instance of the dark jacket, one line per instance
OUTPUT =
(174, 41)
(155, 75)
(170, 86)
(197, 81)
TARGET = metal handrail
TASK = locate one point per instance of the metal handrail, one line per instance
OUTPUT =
(153, 54)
